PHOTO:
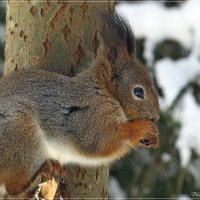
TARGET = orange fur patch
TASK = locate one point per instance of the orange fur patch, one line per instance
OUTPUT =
(139, 132)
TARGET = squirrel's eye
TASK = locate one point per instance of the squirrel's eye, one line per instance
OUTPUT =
(139, 92)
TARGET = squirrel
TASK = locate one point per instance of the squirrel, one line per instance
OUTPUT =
(91, 119)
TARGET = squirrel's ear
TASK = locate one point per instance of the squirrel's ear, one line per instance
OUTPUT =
(110, 52)
(117, 39)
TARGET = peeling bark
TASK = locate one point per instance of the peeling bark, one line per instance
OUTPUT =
(60, 37)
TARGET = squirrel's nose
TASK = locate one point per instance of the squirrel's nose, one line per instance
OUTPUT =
(155, 118)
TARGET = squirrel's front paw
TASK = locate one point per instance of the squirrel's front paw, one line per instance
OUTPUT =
(141, 132)
(147, 133)
(151, 138)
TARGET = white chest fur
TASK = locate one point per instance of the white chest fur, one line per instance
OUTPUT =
(67, 154)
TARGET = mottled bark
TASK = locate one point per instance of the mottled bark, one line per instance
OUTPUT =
(60, 37)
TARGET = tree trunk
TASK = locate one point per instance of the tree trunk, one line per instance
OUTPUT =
(60, 37)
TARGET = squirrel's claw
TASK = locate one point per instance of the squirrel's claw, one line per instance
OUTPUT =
(152, 142)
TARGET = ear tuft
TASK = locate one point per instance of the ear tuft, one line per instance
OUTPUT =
(117, 31)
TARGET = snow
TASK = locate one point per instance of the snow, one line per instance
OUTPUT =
(156, 23)
(190, 129)
(149, 23)
(183, 197)
(176, 75)
(115, 191)
(166, 157)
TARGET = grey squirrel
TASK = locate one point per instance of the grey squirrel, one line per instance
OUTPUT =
(91, 119)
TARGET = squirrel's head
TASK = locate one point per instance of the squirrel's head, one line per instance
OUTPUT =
(122, 74)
